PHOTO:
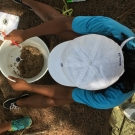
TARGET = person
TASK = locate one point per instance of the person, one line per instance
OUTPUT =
(16, 125)
(74, 30)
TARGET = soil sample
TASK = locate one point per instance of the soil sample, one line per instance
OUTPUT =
(31, 62)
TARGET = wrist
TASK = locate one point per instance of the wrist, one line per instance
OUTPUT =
(30, 88)
(26, 34)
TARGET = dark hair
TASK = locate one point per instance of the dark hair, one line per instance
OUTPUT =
(128, 77)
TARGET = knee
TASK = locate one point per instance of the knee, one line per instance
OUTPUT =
(54, 16)
(46, 102)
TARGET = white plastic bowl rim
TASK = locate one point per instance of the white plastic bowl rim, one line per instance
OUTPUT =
(9, 53)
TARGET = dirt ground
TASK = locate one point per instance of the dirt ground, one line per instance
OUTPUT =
(73, 119)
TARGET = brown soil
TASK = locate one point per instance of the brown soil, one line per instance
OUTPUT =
(31, 63)
(72, 119)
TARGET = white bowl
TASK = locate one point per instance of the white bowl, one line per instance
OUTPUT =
(8, 55)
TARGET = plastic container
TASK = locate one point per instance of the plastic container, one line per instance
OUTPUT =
(8, 55)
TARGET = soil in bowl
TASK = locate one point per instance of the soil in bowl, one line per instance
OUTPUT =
(32, 62)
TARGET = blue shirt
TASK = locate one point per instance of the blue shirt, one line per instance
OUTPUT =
(111, 97)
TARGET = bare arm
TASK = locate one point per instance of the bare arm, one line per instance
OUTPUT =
(51, 27)
(52, 91)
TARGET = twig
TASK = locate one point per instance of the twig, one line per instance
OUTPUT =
(36, 133)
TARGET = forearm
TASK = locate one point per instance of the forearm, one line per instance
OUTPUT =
(53, 91)
(51, 27)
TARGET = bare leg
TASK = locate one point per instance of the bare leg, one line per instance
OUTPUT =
(50, 95)
(53, 91)
(4, 127)
(47, 13)
(44, 11)
(40, 101)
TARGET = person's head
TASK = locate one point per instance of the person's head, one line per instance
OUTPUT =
(128, 77)
(91, 62)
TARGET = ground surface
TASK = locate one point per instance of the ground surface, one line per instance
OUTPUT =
(73, 119)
